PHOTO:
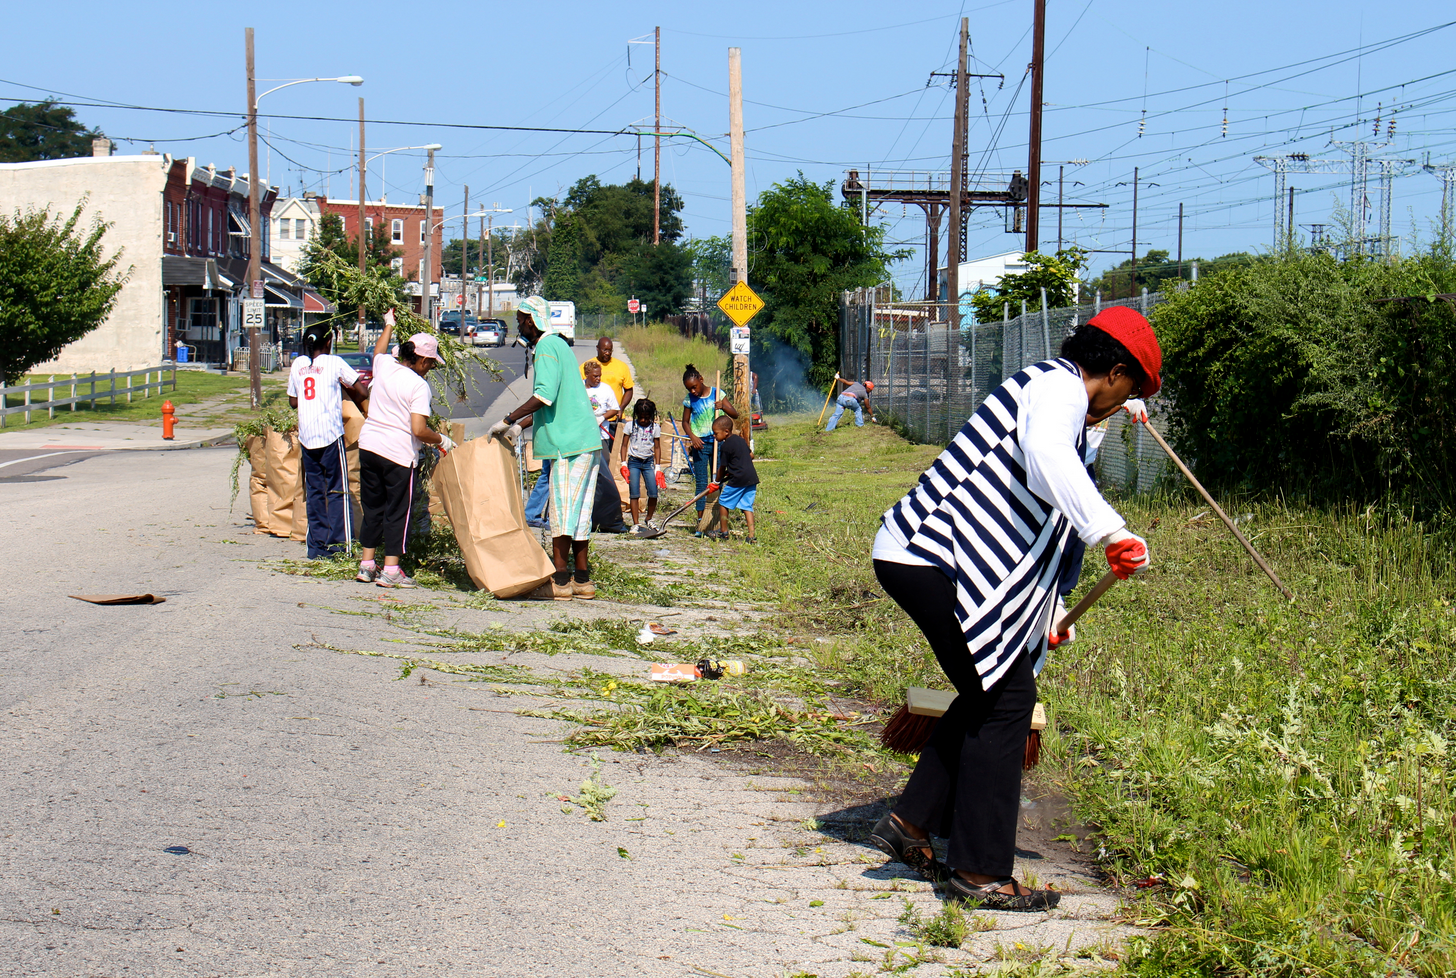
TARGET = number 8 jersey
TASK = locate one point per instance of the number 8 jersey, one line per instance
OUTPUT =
(315, 382)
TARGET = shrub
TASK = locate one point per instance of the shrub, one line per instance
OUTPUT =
(1298, 374)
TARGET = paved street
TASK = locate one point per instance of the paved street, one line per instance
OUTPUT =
(338, 821)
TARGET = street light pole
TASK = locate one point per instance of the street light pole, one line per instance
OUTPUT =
(363, 245)
(426, 311)
(255, 242)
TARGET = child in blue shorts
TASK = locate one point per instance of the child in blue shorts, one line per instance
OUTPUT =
(736, 476)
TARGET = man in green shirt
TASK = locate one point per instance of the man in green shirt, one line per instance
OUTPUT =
(566, 432)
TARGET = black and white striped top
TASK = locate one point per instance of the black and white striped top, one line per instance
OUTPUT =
(973, 516)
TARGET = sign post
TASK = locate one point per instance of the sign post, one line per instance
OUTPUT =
(740, 304)
(252, 324)
(632, 307)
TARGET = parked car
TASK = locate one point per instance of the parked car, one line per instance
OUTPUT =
(463, 325)
(362, 362)
(492, 332)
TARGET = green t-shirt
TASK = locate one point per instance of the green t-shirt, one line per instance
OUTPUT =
(566, 425)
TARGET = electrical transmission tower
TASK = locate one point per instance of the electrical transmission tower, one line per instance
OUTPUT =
(1359, 167)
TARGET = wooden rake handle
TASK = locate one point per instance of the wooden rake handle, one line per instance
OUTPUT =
(1258, 559)
(1078, 610)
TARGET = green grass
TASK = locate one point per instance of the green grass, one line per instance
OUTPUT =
(229, 393)
(658, 353)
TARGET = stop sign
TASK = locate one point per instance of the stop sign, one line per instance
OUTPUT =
(633, 306)
(460, 300)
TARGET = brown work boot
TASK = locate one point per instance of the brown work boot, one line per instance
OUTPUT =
(585, 591)
(550, 591)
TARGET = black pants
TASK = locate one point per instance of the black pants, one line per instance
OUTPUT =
(384, 496)
(966, 787)
(607, 501)
(326, 487)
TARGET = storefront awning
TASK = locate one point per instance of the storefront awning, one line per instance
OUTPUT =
(315, 303)
(278, 298)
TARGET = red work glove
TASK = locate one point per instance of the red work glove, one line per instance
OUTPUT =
(661, 478)
(712, 487)
(624, 472)
(1127, 554)
(1135, 407)
(1056, 638)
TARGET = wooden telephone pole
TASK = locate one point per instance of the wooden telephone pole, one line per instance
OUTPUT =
(742, 375)
(657, 139)
(1033, 166)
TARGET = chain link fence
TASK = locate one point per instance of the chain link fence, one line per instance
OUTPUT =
(929, 378)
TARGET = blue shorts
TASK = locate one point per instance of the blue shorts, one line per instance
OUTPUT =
(737, 497)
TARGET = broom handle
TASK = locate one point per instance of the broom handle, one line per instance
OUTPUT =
(1098, 590)
(1263, 566)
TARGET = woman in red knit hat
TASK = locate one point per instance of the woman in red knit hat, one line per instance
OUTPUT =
(973, 554)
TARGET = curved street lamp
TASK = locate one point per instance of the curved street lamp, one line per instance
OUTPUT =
(255, 250)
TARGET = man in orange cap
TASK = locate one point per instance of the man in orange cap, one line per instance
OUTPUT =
(855, 395)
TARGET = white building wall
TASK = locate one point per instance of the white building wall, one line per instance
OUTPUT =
(288, 250)
(125, 191)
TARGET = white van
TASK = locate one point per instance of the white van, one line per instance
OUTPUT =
(563, 321)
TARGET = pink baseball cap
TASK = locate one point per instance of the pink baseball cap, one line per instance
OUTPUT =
(426, 346)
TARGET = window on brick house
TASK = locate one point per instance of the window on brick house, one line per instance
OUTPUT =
(396, 265)
(396, 231)
(211, 233)
(369, 226)
(422, 232)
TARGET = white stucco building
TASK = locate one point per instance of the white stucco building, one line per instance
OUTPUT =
(126, 192)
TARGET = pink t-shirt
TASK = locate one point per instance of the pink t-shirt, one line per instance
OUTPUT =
(395, 393)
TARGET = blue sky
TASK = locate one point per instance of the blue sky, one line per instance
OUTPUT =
(828, 86)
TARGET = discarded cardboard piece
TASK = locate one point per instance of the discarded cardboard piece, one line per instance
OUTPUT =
(120, 598)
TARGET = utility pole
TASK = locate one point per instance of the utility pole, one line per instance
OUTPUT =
(1060, 195)
(486, 249)
(426, 306)
(657, 140)
(1132, 271)
(363, 246)
(1033, 168)
(255, 249)
(742, 375)
(1290, 225)
(464, 258)
(957, 184)
(1180, 241)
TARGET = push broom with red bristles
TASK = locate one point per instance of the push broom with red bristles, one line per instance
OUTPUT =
(909, 729)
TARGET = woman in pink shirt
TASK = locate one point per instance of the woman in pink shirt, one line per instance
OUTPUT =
(398, 423)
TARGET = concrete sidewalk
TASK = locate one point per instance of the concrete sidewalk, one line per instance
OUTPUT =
(112, 436)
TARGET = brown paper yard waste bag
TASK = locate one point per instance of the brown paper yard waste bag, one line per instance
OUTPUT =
(481, 489)
(282, 453)
(258, 483)
(353, 424)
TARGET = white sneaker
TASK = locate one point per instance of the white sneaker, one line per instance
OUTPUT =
(386, 579)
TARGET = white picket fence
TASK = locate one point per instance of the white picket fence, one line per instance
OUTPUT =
(101, 387)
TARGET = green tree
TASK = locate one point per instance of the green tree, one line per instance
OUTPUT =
(1156, 273)
(660, 276)
(56, 285)
(712, 263)
(562, 282)
(804, 252)
(331, 242)
(1055, 273)
(42, 131)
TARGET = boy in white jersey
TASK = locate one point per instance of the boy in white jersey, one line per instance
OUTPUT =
(316, 384)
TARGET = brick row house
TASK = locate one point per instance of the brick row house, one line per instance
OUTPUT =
(407, 229)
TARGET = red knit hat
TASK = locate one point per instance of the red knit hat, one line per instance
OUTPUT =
(1132, 330)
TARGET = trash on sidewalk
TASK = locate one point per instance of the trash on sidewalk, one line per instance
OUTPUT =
(120, 598)
(661, 629)
(674, 672)
(684, 672)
